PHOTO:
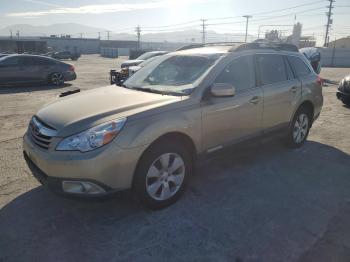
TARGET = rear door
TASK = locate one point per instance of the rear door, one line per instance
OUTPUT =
(31, 69)
(281, 89)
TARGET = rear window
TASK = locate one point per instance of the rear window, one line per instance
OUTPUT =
(271, 69)
(299, 67)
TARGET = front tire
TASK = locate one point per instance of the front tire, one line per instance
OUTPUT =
(162, 174)
(299, 128)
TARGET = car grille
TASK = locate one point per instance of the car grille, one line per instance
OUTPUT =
(40, 133)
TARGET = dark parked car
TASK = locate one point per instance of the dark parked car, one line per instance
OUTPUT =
(34, 69)
(65, 55)
(343, 92)
(142, 58)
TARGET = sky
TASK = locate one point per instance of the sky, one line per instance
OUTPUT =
(224, 16)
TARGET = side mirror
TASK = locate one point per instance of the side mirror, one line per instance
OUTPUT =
(222, 90)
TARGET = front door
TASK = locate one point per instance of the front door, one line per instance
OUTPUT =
(229, 119)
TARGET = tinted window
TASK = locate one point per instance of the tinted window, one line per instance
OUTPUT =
(299, 67)
(271, 68)
(240, 73)
(45, 61)
(10, 61)
(29, 61)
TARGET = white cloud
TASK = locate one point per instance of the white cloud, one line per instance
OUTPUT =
(97, 9)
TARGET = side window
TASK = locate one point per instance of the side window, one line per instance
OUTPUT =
(299, 67)
(29, 61)
(44, 61)
(240, 73)
(271, 68)
(11, 61)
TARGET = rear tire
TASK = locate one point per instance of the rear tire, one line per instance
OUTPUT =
(162, 173)
(299, 128)
(56, 79)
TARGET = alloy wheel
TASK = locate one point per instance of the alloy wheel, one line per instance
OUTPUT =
(165, 176)
(301, 127)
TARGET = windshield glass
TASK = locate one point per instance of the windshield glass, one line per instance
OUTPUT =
(147, 56)
(171, 74)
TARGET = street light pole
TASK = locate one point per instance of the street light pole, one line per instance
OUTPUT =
(246, 27)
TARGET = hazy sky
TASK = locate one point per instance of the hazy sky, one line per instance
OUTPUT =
(155, 15)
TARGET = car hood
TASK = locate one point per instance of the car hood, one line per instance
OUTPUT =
(78, 112)
(128, 63)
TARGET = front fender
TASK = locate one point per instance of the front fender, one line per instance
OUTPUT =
(145, 131)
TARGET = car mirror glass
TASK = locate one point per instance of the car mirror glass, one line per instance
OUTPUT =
(222, 90)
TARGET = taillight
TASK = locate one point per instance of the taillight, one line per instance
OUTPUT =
(71, 68)
(319, 81)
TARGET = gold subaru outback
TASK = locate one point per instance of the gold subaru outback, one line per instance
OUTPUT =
(146, 134)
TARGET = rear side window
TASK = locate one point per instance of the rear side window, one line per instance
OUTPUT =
(240, 73)
(44, 61)
(271, 69)
(299, 67)
(29, 61)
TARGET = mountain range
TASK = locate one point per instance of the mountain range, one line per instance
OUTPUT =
(79, 30)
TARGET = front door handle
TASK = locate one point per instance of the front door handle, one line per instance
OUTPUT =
(255, 100)
(294, 89)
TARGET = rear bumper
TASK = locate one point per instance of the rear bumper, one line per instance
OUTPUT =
(69, 76)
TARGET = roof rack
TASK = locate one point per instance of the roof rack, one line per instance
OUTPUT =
(267, 45)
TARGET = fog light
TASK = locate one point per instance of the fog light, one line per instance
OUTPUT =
(80, 187)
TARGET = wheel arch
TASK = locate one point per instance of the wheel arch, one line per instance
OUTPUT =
(176, 136)
(309, 106)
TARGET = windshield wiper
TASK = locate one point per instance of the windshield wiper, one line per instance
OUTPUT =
(156, 91)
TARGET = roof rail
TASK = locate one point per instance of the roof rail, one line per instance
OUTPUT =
(267, 45)
(190, 46)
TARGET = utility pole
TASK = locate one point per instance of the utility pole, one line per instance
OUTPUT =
(108, 34)
(329, 22)
(11, 33)
(246, 27)
(17, 34)
(203, 30)
(99, 35)
(138, 34)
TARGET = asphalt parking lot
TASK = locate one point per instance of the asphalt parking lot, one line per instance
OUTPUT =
(261, 203)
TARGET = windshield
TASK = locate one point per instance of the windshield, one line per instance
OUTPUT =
(171, 74)
(147, 55)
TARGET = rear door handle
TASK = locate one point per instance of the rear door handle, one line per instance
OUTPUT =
(254, 100)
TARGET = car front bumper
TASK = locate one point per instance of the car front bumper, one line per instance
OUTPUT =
(345, 97)
(110, 168)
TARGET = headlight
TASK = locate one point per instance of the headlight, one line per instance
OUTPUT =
(92, 138)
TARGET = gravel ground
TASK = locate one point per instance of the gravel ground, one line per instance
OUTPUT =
(263, 203)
